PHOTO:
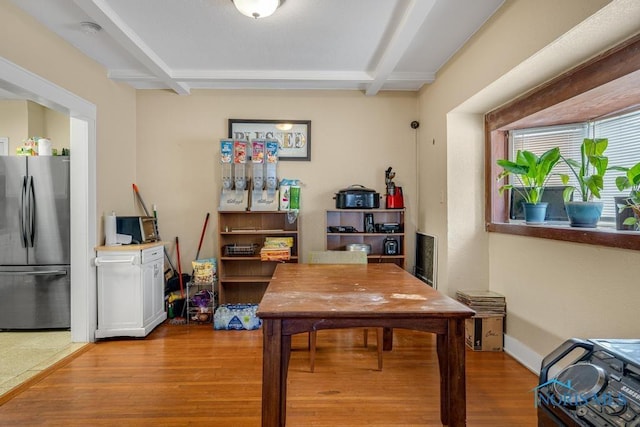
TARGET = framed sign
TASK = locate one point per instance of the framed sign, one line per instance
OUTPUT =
(293, 136)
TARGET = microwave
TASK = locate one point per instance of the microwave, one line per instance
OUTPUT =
(142, 229)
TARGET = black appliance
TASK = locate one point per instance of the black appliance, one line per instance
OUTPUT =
(369, 227)
(357, 197)
(388, 227)
(391, 246)
(600, 387)
(342, 229)
(142, 229)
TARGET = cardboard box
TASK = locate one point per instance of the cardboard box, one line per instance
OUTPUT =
(275, 254)
(484, 333)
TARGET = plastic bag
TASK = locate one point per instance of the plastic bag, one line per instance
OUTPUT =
(204, 270)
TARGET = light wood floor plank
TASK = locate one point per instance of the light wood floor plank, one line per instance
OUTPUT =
(191, 375)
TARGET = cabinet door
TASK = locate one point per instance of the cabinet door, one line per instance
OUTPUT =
(152, 290)
(119, 293)
(158, 287)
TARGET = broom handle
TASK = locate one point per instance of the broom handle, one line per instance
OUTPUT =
(204, 228)
(155, 216)
(166, 254)
(179, 268)
(144, 207)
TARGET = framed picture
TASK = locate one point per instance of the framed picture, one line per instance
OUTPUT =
(293, 136)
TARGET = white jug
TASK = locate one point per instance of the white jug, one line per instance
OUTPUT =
(44, 147)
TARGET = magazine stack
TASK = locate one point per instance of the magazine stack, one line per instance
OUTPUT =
(484, 331)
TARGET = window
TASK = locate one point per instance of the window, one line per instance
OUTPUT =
(595, 93)
(622, 132)
(539, 140)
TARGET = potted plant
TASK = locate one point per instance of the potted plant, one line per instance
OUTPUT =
(589, 173)
(532, 172)
(630, 204)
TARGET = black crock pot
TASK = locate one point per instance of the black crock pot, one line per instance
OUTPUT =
(357, 197)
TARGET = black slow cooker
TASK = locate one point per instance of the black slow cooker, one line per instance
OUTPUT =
(357, 197)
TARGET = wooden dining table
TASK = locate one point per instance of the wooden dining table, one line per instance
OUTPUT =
(308, 297)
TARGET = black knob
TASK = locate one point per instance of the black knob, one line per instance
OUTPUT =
(581, 411)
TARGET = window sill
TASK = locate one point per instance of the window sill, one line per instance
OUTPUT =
(603, 236)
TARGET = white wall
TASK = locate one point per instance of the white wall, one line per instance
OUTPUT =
(37, 50)
(21, 119)
(354, 139)
(554, 290)
(13, 122)
(467, 242)
(57, 129)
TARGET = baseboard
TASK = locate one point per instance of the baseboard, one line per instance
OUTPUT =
(523, 354)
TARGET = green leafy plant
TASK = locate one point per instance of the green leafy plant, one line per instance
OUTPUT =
(531, 171)
(589, 171)
(630, 181)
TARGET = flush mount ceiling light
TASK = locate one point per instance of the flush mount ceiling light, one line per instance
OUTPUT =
(256, 8)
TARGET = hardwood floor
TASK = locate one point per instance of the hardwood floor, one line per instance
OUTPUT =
(191, 375)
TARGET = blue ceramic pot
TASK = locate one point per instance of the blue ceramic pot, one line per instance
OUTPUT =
(584, 214)
(534, 213)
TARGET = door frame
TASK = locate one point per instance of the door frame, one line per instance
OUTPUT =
(82, 113)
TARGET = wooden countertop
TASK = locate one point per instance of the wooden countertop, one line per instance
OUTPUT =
(123, 248)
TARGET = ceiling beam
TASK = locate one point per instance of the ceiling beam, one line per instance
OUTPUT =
(415, 14)
(293, 75)
(112, 24)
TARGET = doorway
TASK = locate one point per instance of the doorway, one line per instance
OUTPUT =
(27, 85)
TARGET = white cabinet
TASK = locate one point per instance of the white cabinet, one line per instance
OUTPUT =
(130, 290)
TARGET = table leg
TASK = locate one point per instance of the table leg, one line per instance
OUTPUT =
(443, 363)
(276, 352)
(388, 339)
(284, 369)
(456, 375)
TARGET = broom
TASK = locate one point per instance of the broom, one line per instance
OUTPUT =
(136, 191)
(204, 228)
(179, 320)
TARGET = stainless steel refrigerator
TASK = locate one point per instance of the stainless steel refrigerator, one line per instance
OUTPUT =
(34, 242)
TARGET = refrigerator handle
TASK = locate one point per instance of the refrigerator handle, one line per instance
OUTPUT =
(23, 214)
(32, 213)
(34, 273)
